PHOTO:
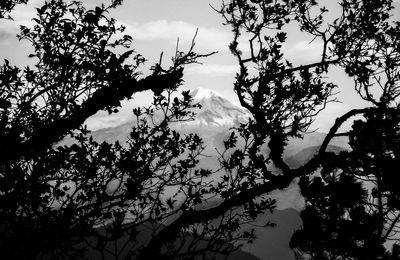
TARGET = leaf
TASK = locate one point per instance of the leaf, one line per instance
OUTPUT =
(231, 142)
(125, 55)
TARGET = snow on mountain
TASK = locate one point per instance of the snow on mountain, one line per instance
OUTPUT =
(216, 110)
(216, 115)
(212, 123)
(200, 93)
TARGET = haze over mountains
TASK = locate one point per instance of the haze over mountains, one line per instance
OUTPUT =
(213, 123)
(216, 114)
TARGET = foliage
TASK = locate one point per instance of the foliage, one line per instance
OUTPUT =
(355, 224)
(65, 200)
(342, 219)
(7, 6)
(54, 197)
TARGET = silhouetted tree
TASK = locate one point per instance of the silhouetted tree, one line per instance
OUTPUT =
(353, 207)
(62, 200)
(52, 198)
(284, 99)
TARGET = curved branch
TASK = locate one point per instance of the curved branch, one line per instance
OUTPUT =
(316, 160)
(170, 232)
(101, 99)
(313, 163)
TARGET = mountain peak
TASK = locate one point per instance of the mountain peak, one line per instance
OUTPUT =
(200, 93)
(216, 110)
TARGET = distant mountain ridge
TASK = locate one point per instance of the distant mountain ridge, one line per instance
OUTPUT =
(213, 121)
(216, 115)
(302, 157)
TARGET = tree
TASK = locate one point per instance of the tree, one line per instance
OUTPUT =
(343, 219)
(47, 209)
(87, 194)
(355, 224)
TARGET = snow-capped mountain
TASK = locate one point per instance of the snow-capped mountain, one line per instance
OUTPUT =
(216, 115)
(212, 122)
(216, 110)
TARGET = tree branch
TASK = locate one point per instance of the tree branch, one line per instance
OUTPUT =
(170, 232)
(101, 99)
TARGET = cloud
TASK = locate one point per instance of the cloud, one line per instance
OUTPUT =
(208, 38)
(212, 70)
(304, 51)
(5, 35)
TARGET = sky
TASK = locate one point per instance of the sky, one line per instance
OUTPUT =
(155, 26)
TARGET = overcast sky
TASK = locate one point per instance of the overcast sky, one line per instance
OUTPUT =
(156, 25)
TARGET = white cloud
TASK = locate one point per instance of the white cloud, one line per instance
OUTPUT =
(212, 70)
(210, 39)
(304, 51)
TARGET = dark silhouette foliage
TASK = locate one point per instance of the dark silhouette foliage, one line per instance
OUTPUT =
(53, 197)
(7, 6)
(67, 201)
(352, 208)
